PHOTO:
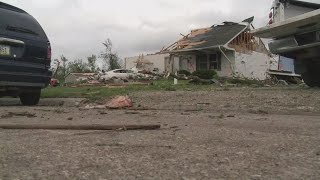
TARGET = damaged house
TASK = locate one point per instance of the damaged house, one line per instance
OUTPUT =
(228, 48)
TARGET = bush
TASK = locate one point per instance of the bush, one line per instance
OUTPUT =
(184, 72)
(205, 74)
(247, 82)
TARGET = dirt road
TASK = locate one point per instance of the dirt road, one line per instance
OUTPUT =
(243, 133)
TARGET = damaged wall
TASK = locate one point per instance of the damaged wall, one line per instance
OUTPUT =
(252, 66)
(188, 62)
(153, 61)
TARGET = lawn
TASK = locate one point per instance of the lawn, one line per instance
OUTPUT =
(96, 93)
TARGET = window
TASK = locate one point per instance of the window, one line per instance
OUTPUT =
(215, 62)
(209, 62)
(202, 62)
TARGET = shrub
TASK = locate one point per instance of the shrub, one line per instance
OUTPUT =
(246, 82)
(185, 72)
(205, 74)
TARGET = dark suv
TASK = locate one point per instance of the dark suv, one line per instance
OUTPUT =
(25, 55)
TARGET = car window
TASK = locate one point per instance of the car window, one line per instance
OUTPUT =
(20, 24)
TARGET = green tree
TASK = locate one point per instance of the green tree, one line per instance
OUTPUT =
(78, 66)
(92, 63)
(62, 69)
(111, 59)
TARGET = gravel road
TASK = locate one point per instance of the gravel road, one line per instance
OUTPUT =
(240, 133)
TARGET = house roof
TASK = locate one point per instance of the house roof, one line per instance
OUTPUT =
(212, 37)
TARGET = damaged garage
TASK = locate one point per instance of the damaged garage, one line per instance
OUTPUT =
(228, 48)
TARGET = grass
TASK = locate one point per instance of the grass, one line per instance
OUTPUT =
(96, 93)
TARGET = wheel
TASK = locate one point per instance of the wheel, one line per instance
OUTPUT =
(312, 77)
(30, 98)
(308, 78)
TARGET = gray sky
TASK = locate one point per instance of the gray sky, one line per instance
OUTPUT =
(76, 28)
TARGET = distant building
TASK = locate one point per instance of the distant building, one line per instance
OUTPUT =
(153, 62)
(228, 48)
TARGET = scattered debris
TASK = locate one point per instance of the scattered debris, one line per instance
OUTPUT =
(283, 82)
(120, 102)
(258, 111)
(70, 119)
(103, 112)
(132, 112)
(19, 114)
(221, 116)
(95, 107)
(81, 127)
(231, 115)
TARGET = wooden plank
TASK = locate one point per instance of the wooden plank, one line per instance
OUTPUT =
(79, 127)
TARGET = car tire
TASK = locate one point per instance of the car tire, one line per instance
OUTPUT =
(30, 98)
(311, 77)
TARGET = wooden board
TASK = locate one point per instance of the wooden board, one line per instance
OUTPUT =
(79, 127)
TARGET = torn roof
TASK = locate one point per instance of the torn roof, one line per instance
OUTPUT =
(215, 36)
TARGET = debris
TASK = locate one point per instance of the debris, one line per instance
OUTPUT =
(186, 114)
(132, 112)
(205, 104)
(231, 116)
(283, 82)
(103, 113)
(197, 80)
(259, 111)
(80, 127)
(120, 102)
(19, 114)
(221, 116)
(70, 119)
(95, 107)
(174, 127)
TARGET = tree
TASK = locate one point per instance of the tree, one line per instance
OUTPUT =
(92, 63)
(62, 68)
(110, 58)
(78, 66)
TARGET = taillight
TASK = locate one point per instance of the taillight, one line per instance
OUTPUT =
(49, 52)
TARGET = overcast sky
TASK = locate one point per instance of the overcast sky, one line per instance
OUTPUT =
(77, 28)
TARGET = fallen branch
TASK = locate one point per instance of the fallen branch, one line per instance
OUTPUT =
(81, 127)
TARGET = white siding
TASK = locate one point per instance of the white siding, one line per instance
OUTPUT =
(226, 65)
(252, 66)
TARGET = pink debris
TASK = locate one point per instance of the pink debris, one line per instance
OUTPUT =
(120, 102)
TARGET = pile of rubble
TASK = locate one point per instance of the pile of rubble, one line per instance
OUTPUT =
(97, 79)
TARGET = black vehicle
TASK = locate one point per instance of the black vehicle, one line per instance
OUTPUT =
(25, 55)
